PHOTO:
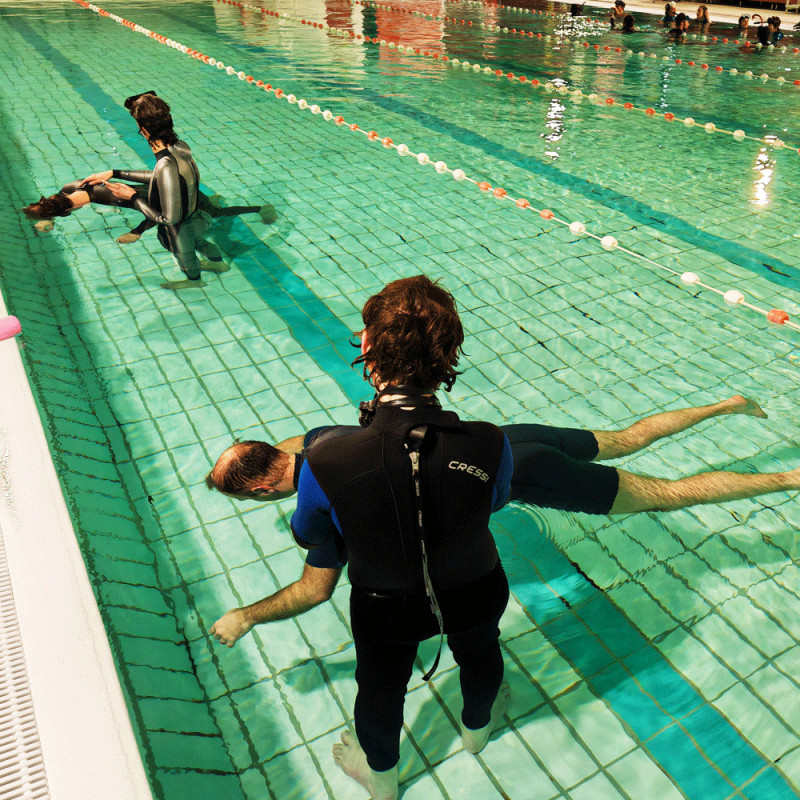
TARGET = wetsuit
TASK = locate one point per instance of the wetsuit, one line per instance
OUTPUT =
(100, 193)
(171, 203)
(361, 482)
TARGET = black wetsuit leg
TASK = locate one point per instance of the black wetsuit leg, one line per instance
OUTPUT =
(387, 631)
(204, 204)
(553, 468)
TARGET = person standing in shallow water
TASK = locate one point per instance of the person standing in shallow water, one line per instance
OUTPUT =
(172, 192)
(410, 495)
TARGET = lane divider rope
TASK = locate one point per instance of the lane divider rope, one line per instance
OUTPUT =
(734, 298)
(606, 48)
(576, 95)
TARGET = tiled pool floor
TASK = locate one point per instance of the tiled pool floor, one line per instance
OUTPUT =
(654, 655)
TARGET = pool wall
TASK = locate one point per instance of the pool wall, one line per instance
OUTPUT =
(87, 743)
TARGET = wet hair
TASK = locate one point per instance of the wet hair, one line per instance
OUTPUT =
(245, 465)
(414, 333)
(762, 31)
(153, 114)
(681, 18)
(628, 22)
(669, 8)
(620, 3)
(57, 205)
(742, 19)
(776, 21)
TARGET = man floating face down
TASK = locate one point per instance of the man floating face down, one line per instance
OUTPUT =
(553, 467)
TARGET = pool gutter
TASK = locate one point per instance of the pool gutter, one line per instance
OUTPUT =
(54, 645)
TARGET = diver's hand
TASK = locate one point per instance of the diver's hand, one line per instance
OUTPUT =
(98, 177)
(121, 190)
(231, 626)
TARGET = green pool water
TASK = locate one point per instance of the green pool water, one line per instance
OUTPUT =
(654, 655)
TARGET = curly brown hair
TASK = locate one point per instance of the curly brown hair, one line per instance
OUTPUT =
(153, 114)
(414, 334)
(57, 205)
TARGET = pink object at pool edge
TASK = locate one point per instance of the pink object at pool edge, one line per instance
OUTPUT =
(9, 326)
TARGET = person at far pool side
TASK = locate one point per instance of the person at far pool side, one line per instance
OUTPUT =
(744, 25)
(701, 18)
(617, 13)
(670, 9)
(681, 26)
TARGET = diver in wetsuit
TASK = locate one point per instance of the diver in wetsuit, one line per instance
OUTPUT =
(411, 496)
(172, 192)
(77, 194)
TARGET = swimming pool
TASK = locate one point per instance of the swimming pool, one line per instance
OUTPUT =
(657, 651)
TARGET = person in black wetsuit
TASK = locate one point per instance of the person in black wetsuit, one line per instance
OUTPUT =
(77, 194)
(422, 558)
(172, 192)
(553, 468)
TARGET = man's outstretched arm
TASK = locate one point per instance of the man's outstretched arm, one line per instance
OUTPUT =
(640, 493)
(315, 586)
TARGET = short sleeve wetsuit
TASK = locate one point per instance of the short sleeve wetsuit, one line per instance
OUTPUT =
(362, 483)
(553, 468)
(172, 204)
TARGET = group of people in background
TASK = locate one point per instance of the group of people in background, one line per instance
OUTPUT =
(768, 31)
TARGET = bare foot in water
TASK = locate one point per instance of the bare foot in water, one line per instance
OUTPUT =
(353, 762)
(128, 238)
(185, 284)
(744, 405)
(475, 740)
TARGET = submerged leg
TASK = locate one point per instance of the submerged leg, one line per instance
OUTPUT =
(613, 444)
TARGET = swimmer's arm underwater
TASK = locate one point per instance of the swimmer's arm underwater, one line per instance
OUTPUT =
(315, 586)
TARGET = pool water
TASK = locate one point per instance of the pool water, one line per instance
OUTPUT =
(652, 656)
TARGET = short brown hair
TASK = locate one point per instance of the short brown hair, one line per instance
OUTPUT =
(415, 334)
(153, 114)
(245, 465)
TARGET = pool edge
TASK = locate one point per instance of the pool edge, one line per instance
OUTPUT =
(88, 744)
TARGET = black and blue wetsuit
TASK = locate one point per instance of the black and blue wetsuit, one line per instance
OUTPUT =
(553, 468)
(358, 486)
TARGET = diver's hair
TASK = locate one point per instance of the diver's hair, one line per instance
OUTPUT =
(57, 205)
(414, 333)
(245, 465)
(628, 22)
(152, 114)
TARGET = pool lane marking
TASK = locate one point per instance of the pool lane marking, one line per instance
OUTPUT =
(693, 742)
(689, 762)
(733, 297)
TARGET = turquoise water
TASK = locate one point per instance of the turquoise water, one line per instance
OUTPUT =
(651, 656)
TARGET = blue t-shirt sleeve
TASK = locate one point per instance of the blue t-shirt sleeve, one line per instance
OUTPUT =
(331, 554)
(502, 483)
(312, 520)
